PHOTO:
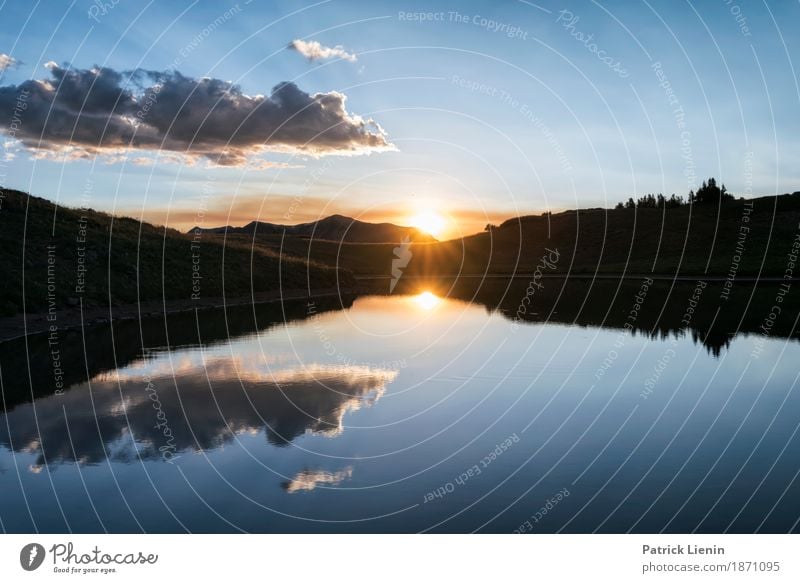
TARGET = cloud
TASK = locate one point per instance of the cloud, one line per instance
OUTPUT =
(308, 480)
(6, 62)
(314, 51)
(87, 112)
(247, 396)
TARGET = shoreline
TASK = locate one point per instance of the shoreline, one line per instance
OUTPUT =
(22, 325)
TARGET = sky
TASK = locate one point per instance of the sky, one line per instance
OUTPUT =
(211, 113)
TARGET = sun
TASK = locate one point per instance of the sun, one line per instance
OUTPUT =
(427, 300)
(429, 222)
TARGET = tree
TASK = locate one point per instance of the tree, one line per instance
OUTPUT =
(709, 192)
(674, 201)
(489, 228)
(656, 201)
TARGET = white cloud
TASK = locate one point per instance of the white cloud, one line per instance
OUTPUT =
(314, 51)
(309, 479)
(6, 62)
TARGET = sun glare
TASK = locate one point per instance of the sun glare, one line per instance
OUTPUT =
(427, 301)
(429, 222)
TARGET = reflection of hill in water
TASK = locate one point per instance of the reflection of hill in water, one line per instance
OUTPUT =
(144, 410)
(26, 363)
(608, 304)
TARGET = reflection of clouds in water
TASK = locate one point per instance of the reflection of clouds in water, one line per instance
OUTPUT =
(309, 479)
(248, 368)
(240, 396)
(194, 361)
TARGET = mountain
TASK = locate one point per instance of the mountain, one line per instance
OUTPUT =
(337, 228)
(54, 257)
(744, 237)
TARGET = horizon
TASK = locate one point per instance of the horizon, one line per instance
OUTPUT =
(499, 222)
(381, 219)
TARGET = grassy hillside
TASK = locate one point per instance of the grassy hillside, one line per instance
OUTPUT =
(686, 240)
(62, 254)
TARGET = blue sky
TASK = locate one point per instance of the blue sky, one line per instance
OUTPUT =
(486, 124)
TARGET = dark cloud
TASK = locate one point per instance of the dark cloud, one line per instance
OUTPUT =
(85, 112)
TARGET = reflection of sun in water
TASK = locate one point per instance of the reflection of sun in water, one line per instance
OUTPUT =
(427, 301)
(429, 222)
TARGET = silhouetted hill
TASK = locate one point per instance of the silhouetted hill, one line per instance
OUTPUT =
(336, 228)
(126, 261)
(54, 256)
(749, 237)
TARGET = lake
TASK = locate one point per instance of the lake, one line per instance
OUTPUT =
(496, 407)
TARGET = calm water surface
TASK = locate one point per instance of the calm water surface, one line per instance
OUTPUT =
(402, 414)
